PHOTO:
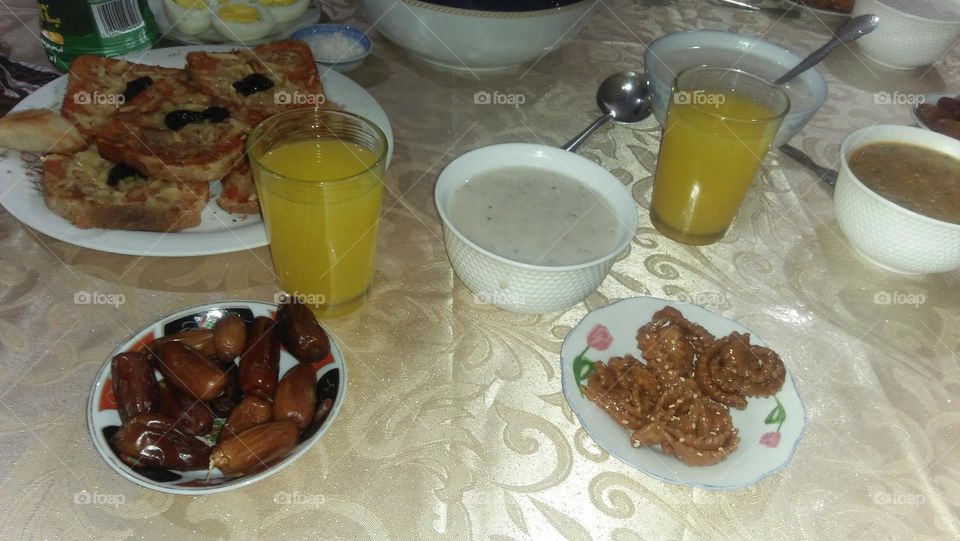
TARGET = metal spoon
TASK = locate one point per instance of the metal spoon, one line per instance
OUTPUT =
(851, 30)
(624, 97)
(827, 175)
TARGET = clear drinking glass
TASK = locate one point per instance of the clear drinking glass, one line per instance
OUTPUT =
(720, 124)
(319, 180)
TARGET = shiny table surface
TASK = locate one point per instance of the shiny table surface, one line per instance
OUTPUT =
(454, 424)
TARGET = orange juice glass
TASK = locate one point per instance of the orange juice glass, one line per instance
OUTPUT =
(720, 124)
(319, 181)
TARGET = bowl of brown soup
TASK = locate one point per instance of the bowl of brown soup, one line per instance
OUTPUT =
(897, 198)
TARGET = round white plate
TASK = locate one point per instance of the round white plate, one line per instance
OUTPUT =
(103, 419)
(931, 99)
(759, 454)
(210, 36)
(219, 231)
(817, 11)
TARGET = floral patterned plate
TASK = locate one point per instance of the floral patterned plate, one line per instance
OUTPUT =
(103, 419)
(770, 428)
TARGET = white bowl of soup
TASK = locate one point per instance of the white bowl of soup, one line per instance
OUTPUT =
(897, 198)
(532, 228)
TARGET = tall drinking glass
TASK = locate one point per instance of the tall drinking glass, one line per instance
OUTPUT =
(318, 175)
(720, 124)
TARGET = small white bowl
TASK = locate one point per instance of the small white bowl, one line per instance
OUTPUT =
(907, 41)
(669, 55)
(523, 287)
(311, 34)
(883, 232)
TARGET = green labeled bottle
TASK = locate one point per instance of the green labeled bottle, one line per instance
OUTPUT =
(70, 28)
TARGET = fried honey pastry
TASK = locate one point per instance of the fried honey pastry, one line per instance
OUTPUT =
(667, 317)
(732, 370)
(625, 389)
(671, 357)
(687, 424)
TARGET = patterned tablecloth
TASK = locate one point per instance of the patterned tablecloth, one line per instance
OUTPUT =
(455, 425)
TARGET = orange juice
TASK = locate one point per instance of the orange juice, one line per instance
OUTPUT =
(321, 203)
(708, 158)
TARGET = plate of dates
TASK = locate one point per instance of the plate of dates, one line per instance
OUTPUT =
(217, 396)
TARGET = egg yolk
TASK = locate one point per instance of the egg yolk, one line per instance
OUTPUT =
(191, 4)
(277, 2)
(239, 13)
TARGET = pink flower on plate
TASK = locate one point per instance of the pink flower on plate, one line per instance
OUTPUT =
(599, 338)
(770, 439)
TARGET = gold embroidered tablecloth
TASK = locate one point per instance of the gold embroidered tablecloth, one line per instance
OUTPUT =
(454, 424)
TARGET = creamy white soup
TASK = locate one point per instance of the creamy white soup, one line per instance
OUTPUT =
(535, 216)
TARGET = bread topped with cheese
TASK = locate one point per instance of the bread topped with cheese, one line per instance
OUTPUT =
(261, 81)
(239, 191)
(97, 86)
(90, 191)
(172, 131)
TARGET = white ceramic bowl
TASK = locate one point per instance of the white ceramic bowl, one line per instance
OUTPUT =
(476, 40)
(673, 53)
(908, 40)
(103, 420)
(522, 287)
(883, 232)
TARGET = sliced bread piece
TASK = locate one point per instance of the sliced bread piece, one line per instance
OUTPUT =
(90, 191)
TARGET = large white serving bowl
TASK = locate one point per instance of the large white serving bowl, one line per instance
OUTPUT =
(883, 232)
(523, 287)
(907, 41)
(473, 39)
(669, 55)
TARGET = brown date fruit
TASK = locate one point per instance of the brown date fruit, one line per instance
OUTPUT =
(134, 384)
(296, 396)
(303, 337)
(951, 106)
(154, 441)
(196, 417)
(260, 363)
(190, 372)
(191, 415)
(229, 337)
(167, 403)
(230, 396)
(250, 412)
(255, 448)
(199, 340)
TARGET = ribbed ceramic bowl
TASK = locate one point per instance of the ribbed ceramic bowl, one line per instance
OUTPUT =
(517, 286)
(883, 232)
(908, 41)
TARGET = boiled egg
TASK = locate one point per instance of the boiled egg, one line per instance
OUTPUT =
(188, 16)
(242, 22)
(285, 10)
